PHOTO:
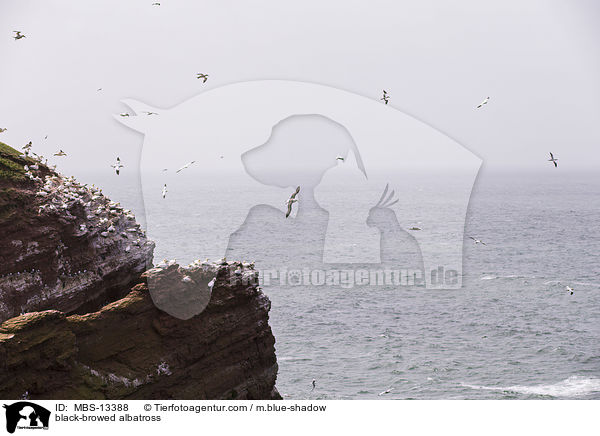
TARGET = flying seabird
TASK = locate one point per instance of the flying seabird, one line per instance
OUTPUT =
(2, 129)
(27, 148)
(291, 201)
(483, 102)
(554, 160)
(164, 191)
(185, 166)
(570, 289)
(202, 76)
(386, 97)
(387, 391)
(117, 165)
(18, 35)
(156, 4)
(124, 114)
(150, 113)
(314, 385)
(99, 89)
(60, 153)
(340, 158)
(212, 283)
(477, 241)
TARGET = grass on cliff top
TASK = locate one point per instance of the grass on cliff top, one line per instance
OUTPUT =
(9, 169)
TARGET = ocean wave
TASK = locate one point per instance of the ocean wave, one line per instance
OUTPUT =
(586, 284)
(511, 276)
(559, 282)
(574, 386)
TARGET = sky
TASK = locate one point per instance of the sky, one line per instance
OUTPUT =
(538, 61)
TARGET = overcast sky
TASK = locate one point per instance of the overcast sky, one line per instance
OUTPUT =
(538, 61)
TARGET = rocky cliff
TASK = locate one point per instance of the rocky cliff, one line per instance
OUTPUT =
(68, 261)
(65, 246)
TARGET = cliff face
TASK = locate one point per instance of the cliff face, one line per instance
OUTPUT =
(67, 262)
(129, 349)
(64, 246)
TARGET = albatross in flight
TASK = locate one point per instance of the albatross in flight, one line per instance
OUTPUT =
(340, 158)
(386, 97)
(477, 241)
(117, 165)
(202, 76)
(185, 166)
(291, 201)
(483, 102)
(60, 153)
(554, 160)
(18, 35)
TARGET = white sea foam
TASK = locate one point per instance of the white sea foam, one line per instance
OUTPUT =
(574, 386)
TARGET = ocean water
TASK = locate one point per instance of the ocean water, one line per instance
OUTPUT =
(511, 331)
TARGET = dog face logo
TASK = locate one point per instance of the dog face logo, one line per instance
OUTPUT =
(26, 415)
(222, 130)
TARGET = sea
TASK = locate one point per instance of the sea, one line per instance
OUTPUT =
(510, 331)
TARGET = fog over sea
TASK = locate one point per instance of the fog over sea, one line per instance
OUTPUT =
(511, 332)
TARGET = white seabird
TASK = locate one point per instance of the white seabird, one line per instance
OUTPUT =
(185, 166)
(202, 76)
(477, 241)
(60, 153)
(483, 102)
(117, 165)
(291, 201)
(164, 191)
(124, 114)
(554, 160)
(18, 35)
(211, 284)
(570, 289)
(387, 391)
(340, 158)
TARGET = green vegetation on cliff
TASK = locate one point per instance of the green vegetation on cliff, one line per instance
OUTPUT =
(10, 166)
